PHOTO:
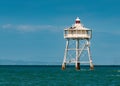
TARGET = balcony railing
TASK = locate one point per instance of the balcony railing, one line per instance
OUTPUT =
(72, 33)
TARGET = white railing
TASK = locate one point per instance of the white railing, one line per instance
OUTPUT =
(77, 33)
(77, 36)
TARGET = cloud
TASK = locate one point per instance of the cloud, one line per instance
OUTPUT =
(31, 28)
(110, 32)
(7, 26)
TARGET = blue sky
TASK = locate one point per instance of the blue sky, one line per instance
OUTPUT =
(32, 30)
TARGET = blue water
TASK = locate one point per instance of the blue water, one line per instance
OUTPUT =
(54, 76)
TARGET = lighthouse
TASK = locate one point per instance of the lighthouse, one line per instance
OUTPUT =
(77, 42)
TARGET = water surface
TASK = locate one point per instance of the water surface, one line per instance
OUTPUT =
(54, 76)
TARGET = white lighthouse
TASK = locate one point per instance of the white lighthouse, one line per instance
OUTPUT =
(77, 41)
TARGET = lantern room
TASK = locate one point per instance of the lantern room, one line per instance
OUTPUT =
(77, 31)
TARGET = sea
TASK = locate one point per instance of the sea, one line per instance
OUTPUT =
(53, 75)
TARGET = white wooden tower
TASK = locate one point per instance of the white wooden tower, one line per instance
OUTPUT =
(81, 37)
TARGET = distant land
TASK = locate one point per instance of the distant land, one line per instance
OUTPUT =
(21, 62)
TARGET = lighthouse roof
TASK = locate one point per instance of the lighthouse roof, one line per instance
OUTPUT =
(78, 25)
(77, 19)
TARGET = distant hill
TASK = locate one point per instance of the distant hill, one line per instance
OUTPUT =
(20, 62)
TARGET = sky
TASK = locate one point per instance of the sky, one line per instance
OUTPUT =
(32, 30)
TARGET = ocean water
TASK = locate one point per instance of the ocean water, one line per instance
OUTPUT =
(54, 76)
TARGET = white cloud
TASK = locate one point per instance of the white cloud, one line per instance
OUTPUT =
(7, 26)
(25, 28)
(112, 32)
(31, 28)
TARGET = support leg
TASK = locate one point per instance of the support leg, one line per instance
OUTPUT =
(77, 66)
(77, 55)
(91, 66)
(63, 66)
(65, 55)
(89, 55)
